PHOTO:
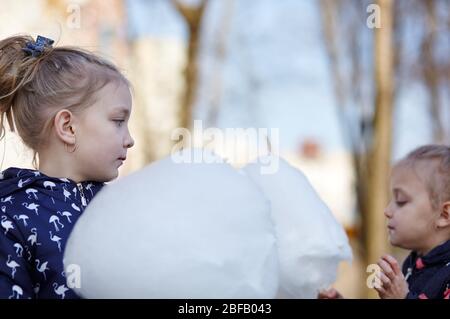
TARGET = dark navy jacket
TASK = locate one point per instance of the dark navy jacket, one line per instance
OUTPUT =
(428, 276)
(37, 213)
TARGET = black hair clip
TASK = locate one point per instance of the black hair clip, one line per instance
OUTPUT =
(35, 48)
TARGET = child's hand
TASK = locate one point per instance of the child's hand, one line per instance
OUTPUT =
(393, 283)
(329, 294)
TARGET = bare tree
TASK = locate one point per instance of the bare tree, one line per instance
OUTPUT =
(366, 122)
(348, 87)
(193, 17)
(380, 152)
(220, 49)
(430, 73)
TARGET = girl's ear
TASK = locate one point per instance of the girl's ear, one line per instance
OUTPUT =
(444, 218)
(63, 122)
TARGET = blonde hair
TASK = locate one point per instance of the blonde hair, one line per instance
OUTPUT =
(34, 89)
(438, 184)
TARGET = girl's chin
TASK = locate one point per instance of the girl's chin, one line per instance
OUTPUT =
(397, 243)
(109, 177)
(393, 240)
(114, 174)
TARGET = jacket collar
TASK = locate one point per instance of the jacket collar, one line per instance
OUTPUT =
(14, 179)
(438, 255)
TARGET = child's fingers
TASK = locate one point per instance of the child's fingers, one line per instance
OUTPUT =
(331, 294)
(385, 280)
(324, 294)
(328, 294)
(386, 268)
(393, 263)
(381, 292)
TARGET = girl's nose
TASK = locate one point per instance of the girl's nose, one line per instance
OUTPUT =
(387, 211)
(129, 142)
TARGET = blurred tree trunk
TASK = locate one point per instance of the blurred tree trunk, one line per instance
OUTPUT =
(430, 72)
(380, 154)
(193, 17)
(220, 50)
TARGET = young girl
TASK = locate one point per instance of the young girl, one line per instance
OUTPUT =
(71, 108)
(418, 219)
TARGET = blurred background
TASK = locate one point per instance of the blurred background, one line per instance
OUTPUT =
(351, 85)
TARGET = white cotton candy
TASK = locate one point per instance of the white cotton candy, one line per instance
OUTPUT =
(311, 243)
(176, 231)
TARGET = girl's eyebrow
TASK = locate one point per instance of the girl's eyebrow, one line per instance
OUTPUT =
(122, 110)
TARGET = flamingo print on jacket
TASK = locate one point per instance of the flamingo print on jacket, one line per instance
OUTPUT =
(37, 214)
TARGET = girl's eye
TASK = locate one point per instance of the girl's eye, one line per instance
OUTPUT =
(119, 122)
(400, 203)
